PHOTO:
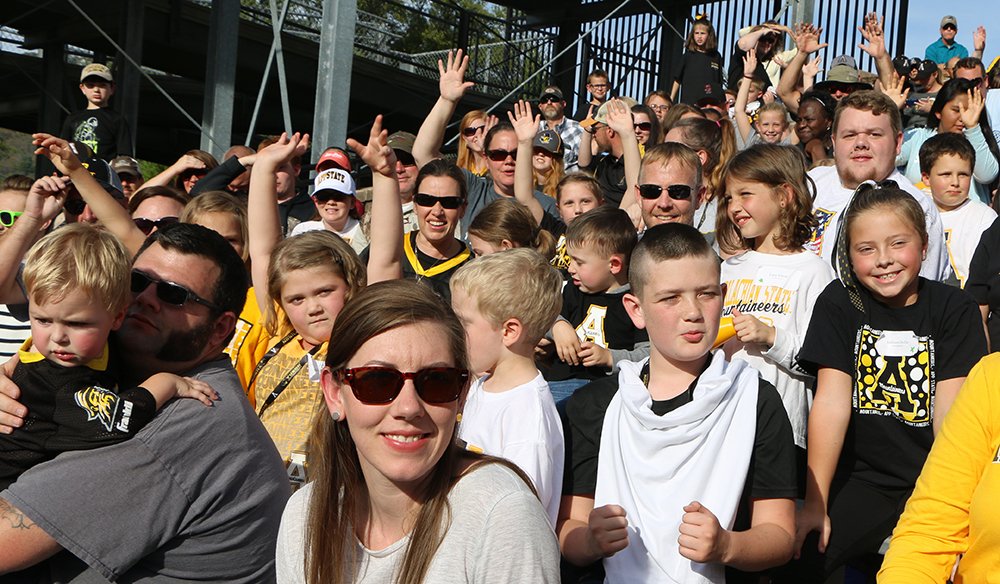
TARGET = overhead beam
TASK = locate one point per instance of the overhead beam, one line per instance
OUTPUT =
(220, 77)
(333, 83)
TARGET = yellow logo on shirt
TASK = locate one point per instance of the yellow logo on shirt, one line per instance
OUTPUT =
(100, 404)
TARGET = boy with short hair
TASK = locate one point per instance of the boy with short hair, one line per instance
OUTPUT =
(599, 88)
(102, 129)
(682, 467)
(946, 164)
(77, 282)
(507, 301)
(593, 332)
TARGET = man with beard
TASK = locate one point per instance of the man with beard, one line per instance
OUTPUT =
(552, 105)
(198, 493)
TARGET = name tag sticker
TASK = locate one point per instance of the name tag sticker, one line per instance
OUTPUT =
(897, 344)
(778, 277)
(315, 368)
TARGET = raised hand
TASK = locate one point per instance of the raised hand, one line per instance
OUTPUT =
(453, 85)
(894, 90)
(620, 117)
(812, 67)
(749, 63)
(46, 197)
(525, 127)
(873, 34)
(377, 154)
(970, 113)
(979, 39)
(284, 149)
(807, 38)
(58, 151)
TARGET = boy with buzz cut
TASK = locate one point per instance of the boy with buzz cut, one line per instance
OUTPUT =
(507, 301)
(77, 282)
(946, 164)
(101, 128)
(593, 332)
(682, 467)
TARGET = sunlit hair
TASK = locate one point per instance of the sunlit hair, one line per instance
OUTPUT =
(776, 167)
(17, 182)
(939, 145)
(660, 243)
(711, 43)
(555, 174)
(145, 193)
(466, 157)
(597, 74)
(606, 230)
(208, 159)
(655, 132)
(677, 112)
(442, 168)
(663, 154)
(776, 108)
(78, 257)
(340, 498)
(507, 219)
(584, 179)
(716, 139)
(875, 102)
(496, 129)
(224, 203)
(516, 283)
(313, 249)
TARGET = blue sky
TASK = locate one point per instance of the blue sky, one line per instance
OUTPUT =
(925, 19)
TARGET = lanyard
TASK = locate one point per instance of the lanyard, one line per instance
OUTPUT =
(436, 269)
(278, 389)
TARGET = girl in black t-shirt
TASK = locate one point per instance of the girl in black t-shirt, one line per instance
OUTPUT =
(701, 68)
(890, 350)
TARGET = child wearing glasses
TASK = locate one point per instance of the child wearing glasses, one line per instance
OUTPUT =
(333, 194)
(77, 282)
(506, 302)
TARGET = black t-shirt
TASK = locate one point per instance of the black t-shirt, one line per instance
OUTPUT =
(610, 174)
(700, 74)
(771, 474)
(603, 320)
(437, 272)
(736, 69)
(894, 356)
(984, 279)
(104, 130)
(584, 109)
(296, 210)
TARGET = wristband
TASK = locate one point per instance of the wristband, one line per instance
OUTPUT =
(748, 76)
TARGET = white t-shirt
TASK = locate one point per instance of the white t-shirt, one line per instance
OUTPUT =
(963, 227)
(832, 200)
(498, 533)
(779, 290)
(523, 426)
(351, 233)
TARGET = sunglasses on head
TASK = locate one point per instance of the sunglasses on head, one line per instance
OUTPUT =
(644, 126)
(324, 197)
(381, 385)
(7, 218)
(501, 155)
(146, 225)
(74, 206)
(471, 130)
(173, 294)
(977, 82)
(676, 192)
(425, 200)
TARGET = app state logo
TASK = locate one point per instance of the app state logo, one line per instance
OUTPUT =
(100, 404)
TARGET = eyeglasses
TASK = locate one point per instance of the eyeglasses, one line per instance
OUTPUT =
(425, 200)
(598, 85)
(381, 385)
(405, 158)
(594, 128)
(471, 130)
(324, 197)
(173, 294)
(675, 192)
(146, 225)
(501, 155)
(659, 108)
(644, 126)
(7, 218)
(74, 206)
(549, 99)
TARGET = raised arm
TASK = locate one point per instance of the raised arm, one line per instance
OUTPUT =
(979, 43)
(45, 200)
(874, 35)
(262, 208)
(113, 216)
(184, 163)
(740, 109)
(748, 41)
(524, 173)
(620, 120)
(806, 41)
(427, 145)
(385, 252)
(585, 157)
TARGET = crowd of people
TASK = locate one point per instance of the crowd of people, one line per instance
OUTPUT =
(736, 332)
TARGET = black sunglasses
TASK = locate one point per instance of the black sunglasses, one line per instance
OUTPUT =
(549, 99)
(594, 128)
(7, 218)
(173, 294)
(146, 225)
(74, 206)
(324, 197)
(834, 87)
(471, 130)
(425, 200)
(644, 126)
(405, 158)
(501, 155)
(950, 26)
(676, 192)
(190, 173)
(381, 385)
(977, 82)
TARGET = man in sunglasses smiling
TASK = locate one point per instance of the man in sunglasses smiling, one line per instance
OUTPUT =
(670, 185)
(943, 49)
(213, 473)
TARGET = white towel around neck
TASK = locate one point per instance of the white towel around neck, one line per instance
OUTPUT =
(654, 465)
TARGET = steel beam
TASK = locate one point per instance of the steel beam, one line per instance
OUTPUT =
(333, 85)
(128, 77)
(220, 77)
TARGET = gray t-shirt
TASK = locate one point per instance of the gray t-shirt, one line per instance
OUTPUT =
(196, 495)
(499, 533)
(482, 193)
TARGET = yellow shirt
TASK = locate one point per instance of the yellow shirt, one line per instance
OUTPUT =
(249, 344)
(955, 507)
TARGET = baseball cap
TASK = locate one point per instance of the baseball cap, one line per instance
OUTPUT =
(905, 65)
(337, 157)
(334, 179)
(552, 91)
(126, 165)
(601, 117)
(96, 70)
(105, 176)
(549, 140)
(926, 69)
(949, 20)
(402, 141)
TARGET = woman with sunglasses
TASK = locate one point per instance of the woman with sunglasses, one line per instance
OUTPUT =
(395, 498)
(473, 128)
(184, 173)
(647, 127)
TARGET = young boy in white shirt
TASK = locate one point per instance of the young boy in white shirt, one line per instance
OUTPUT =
(507, 301)
(683, 465)
(946, 163)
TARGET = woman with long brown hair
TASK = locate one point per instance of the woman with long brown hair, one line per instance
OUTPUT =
(394, 498)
